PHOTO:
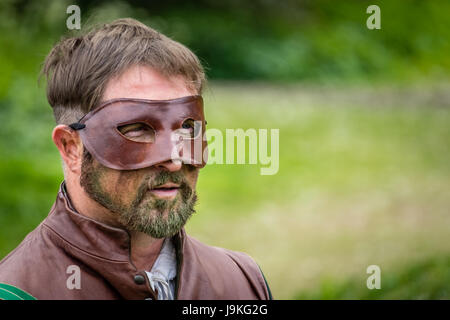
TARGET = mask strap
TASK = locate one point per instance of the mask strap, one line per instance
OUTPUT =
(77, 126)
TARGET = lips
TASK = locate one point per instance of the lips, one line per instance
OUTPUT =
(168, 190)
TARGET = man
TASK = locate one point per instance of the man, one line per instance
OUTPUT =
(130, 131)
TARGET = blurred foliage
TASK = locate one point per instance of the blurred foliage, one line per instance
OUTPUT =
(364, 174)
(264, 39)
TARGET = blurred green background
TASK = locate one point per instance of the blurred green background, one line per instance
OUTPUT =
(364, 121)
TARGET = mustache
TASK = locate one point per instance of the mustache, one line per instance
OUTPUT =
(161, 178)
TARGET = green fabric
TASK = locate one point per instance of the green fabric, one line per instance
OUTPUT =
(267, 285)
(9, 292)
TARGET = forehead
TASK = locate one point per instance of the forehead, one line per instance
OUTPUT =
(143, 82)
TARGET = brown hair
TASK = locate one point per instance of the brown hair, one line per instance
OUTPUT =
(78, 68)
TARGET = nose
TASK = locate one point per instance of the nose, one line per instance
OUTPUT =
(170, 165)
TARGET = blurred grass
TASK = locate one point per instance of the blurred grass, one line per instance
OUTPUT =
(363, 179)
(426, 280)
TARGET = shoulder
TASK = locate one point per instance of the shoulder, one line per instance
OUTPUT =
(219, 252)
(31, 263)
(231, 265)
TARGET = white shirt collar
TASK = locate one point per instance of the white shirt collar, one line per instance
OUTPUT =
(164, 269)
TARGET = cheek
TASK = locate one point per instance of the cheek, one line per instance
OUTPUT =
(191, 175)
(122, 185)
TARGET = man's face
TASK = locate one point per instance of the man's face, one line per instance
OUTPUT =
(157, 200)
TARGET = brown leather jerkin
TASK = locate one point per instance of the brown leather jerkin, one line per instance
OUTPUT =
(39, 265)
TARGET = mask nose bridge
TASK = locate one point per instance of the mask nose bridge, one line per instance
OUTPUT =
(166, 146)
(170, 145)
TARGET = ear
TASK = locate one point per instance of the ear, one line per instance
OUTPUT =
(70, 147)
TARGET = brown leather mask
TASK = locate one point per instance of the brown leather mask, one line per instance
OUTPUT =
(128, 134)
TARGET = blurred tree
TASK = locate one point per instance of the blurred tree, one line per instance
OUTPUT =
(262, 39)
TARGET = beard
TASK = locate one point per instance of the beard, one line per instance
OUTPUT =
(158, 218)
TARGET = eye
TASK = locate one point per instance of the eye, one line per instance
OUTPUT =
(190, 128)
(139, 132)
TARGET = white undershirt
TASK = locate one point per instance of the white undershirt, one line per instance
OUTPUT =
(164, 271)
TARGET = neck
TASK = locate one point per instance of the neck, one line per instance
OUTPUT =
(144, 248)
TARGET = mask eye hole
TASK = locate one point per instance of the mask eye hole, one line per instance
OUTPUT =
(139, 132)
(190, 129)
